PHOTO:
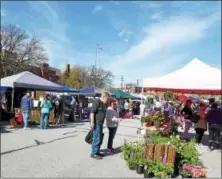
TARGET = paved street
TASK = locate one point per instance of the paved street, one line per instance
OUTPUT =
(62, 152)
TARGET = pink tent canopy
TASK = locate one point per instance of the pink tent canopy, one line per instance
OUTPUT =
(195, 77)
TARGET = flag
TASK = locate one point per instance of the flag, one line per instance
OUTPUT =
(98, 47)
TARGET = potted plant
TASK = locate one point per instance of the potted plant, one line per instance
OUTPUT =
(157, 118)
(144, 121)
(148, 171)
(141, 160)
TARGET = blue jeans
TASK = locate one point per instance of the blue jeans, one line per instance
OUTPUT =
(112, 133)
(44, 120)
(97, 137)
(26, 118)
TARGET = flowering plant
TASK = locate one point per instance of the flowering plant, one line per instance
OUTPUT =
(156, 116)
(196, 171)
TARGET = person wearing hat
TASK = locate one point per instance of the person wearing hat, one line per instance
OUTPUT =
(26, 107)
(45, 110)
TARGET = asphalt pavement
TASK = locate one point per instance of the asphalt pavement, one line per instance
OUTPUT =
(62, 152)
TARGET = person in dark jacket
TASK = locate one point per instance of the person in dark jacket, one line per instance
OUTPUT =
(26, 106)
(214, 118)
(97, 117)
(187, 112)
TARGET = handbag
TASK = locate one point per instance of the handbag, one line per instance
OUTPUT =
(195, 118)
(89, 137)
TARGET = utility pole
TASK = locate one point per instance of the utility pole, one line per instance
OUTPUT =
(122, 80)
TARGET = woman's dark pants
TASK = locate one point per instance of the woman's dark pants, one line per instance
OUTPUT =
(214, 135)
(112, 133)
(199, 135)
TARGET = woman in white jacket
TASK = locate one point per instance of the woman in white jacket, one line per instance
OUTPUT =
(112, 122)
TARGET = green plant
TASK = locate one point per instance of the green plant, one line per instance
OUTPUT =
(144, 119)
(161, 170)
(168, 96)
(185, 173)
(127, 149)
(157, 116)
(149, 166)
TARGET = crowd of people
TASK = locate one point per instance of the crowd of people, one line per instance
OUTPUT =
(112, 111)
(209, 117)
(48, 103)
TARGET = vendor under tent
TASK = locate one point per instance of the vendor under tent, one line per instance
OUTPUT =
(92, 91)
(30, 81)
(121, 94)
(196, 78)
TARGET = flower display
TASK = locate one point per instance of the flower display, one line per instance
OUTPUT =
(196, 171)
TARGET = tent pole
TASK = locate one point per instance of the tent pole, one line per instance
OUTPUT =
(12, 105)
(140, 125)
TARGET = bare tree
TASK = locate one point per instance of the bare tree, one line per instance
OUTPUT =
(20, 51)
(99, 77)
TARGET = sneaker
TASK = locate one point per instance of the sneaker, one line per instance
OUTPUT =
(96, 156)
(26, 128)
(109, 151)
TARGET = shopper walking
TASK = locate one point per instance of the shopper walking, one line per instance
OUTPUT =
(214, 118)
(112, 121)
(187, 113)
(201, 125)
(26, 106)
(45, 110)
(97, 117)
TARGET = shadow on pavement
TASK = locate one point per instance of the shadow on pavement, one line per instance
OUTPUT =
(3, 130)
(117, 151)
(87, 130)
(38, 143)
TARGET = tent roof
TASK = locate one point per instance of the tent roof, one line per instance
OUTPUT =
(67, 88)
(29, 80)
(91, 91)
(195, 77)
(121, 94)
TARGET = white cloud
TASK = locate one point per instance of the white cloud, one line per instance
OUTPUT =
(126, 40)
(157, 16)
(167, 34)
(146, 57)
(97, 8)
(124, 33)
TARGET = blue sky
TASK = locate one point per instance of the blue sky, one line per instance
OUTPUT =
(139, 39)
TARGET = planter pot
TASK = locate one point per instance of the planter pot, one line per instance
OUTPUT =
(149, 123)
(148, 175)
(140, 169)
(186, 176)
(157, 124)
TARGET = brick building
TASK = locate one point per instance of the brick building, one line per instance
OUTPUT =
(50, 73)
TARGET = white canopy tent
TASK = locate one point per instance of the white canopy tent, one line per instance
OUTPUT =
(28, 80)
(195, 77)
